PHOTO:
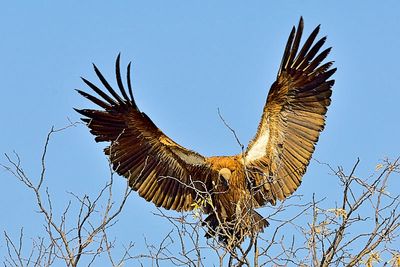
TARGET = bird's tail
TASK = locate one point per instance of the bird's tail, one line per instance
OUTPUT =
(259, 221)
(234, 231)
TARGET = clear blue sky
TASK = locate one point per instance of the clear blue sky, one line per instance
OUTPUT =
(189, 58)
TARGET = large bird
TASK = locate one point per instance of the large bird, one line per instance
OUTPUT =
(228, 188)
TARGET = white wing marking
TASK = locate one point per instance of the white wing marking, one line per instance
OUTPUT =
(259, 147)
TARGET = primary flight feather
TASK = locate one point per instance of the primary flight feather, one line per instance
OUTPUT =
(270, 169)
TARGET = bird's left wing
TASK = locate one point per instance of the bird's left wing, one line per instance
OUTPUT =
(293, 117)
(161, 170)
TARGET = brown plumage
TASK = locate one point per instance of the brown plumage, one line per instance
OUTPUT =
(271, 168)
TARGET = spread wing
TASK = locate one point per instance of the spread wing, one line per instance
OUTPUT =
(160, 170)
(293, 117)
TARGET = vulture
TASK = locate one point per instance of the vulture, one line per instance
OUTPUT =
(227, 188)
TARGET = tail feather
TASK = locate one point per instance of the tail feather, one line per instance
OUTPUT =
(236, 230)
(260, 221)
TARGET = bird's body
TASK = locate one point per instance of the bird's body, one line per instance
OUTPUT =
(230, 187)
(229, 183)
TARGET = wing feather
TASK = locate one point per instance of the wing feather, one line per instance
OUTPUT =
(161, 170)
(293, 117)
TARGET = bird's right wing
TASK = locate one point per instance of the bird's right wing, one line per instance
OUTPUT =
(161, 170)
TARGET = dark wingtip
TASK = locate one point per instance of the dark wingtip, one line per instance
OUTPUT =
(300, 26)
(128, 77)
(85, 80)
(80, 111)
(318, 28)
(286, 53)
(301, 22)
(79, 91)
(96, 69)
(113, 99)
(295, 44)
(118, 58)
(329, 49)
(119, 78)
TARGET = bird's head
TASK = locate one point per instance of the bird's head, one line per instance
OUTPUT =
(225, 173)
